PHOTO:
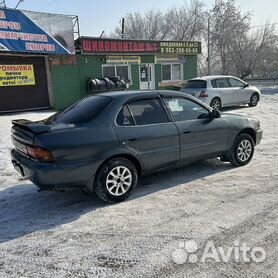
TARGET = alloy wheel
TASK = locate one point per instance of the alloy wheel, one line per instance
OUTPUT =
(244, 150)
(254, 100)
(118, 181)
(215, 104)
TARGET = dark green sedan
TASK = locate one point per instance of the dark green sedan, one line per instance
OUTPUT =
(104, 142)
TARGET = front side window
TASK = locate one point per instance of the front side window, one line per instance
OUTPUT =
(222, 83)
(148, 111)
(236, 83)
(171, 72)
(121, 70)
(185, 110)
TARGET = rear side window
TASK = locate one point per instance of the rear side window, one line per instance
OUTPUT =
(222, 83)
(124, 117)
(82, 111)
(214, 83)
(196, 84)
(148, 111)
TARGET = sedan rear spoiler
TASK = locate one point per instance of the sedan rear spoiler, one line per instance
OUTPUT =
(35, 127)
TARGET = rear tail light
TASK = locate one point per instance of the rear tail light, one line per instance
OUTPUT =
(40, 154)
(203, 94)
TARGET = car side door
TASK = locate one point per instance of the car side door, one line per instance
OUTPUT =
(241, 92)
(225, 91)
(200, 135)
(145, 130)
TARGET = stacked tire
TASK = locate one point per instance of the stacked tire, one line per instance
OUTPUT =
(106, 84)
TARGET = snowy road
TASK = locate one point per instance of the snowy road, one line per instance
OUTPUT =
(71, 235)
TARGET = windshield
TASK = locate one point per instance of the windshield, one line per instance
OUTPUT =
(82, 111)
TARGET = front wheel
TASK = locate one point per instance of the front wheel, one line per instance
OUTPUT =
(242, 150)
(254, 100)
(116, 180)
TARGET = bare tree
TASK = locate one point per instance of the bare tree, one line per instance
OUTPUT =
(247, 49)
(235, 47)
(178, 23)
(148, 26)
(186, 22)
(227, 23)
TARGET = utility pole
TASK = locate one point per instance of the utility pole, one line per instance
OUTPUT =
(209, 50)
(123, 28)
(3, 4)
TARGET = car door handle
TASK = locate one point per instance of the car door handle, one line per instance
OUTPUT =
(186, 131)
(131, 139)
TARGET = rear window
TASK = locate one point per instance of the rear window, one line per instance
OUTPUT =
(196, 84)
(82, 111)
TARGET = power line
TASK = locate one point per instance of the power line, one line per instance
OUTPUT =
(47, 5)
(263, 25)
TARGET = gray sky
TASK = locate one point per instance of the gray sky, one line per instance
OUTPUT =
(96, 16)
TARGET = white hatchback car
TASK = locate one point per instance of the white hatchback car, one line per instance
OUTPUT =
(221, 91)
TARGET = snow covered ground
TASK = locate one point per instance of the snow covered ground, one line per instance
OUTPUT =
(71, 235)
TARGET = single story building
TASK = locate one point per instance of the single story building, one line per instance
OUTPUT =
(144, 64)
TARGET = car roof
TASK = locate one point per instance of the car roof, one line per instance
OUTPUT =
(141, 93)
(126, 95)
(211, 77)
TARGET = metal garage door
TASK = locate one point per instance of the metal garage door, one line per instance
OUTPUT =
(23, 83)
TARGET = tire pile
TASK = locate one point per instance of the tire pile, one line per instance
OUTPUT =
(106, 84)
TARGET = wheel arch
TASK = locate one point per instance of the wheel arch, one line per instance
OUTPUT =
(256, 93)
(250, 131)
(216, 97)
(130, 157)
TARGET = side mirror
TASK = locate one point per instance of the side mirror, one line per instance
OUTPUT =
(215, 114)
(245, 85)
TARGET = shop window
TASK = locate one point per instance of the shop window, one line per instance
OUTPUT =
(123, 71)
(171, 72)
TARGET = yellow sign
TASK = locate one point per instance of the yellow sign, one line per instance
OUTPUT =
(17, 75)
(123, 60)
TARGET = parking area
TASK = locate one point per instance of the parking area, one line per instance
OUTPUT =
(72, 235)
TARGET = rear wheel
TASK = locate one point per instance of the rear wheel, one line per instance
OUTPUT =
(242, 150)
(215, 103)
(254, 100)
(116, 180)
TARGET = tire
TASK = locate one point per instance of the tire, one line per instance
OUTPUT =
(254, 100)
(242, 150)
(116, 180)
(216, 103)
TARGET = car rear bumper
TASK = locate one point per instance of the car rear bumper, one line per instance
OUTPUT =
(50, 176)
(259, 136)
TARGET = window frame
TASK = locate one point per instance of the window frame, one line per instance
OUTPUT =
(224, 78)
(171, 71)
(163, 106)
(115, 68)
(238, 80)
(188, 99)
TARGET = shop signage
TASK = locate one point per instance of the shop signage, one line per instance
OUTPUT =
(162, 58)
(17, 75)
(19, 33)
(96, 45)
(123, 60)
